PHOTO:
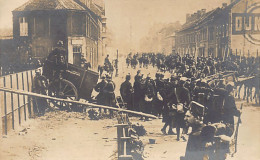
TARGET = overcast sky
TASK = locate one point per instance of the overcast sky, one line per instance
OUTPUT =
(140, 14)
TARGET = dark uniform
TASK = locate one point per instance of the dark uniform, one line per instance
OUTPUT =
(149, 94)
(107, 62)
(183, 97)
(40, 87)
(138, 92)
(160, 93)
(109, 94)
(126, 90)
(223, 122)
(101, 95)
(110, 99)
(56, 63)
(169, 114)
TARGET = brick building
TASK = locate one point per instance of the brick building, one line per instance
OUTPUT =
(39, 24)
(232, 28)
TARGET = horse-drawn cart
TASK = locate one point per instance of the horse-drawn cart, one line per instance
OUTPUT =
(68, 81)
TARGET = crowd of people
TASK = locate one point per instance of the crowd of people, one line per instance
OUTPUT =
(191, 97)
(202, 66)
(7, 68)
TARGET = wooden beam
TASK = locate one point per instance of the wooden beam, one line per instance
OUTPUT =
(87, 104)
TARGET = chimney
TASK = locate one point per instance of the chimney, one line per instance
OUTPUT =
(224, 5)
(198, 14)
(188, 16)
(203, 11)
(195, 16)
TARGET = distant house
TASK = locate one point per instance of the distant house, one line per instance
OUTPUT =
(39, 24)
(233, 28)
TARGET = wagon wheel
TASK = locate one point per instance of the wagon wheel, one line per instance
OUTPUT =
(62, 89)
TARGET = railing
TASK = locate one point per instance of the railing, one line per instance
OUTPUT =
(15, 108)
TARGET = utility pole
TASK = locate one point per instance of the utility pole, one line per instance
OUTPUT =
(116, 63)
(131, 45)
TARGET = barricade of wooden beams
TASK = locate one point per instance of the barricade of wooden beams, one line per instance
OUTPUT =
(85, 104)
(123, 138)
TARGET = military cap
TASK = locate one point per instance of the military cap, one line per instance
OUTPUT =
(103, 76)
(108, 77)
(128, 77)
(230, 86)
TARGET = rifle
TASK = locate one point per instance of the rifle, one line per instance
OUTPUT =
(235, 135)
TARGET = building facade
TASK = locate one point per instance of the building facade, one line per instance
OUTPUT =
(214, 33)
(40, 24)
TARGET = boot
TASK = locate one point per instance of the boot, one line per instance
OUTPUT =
(163, 131)
(170, 132)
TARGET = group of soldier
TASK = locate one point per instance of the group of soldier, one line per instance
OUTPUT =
(206, 65)
(189, 98)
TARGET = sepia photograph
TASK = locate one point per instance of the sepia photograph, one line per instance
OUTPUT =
(129, 79)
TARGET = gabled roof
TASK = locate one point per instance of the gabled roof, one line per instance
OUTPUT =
(32, 5)
(207, 16)
(203, 18)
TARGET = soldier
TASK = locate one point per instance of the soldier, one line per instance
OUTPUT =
(56, 62)
(223, 125)
(100, 89)
(159, 94)
(149, 94)
(128, 61)
(194, 148)
(170, 102)
(40, 87)
(138, 91)
(110, 99)
(126, 91)
(107, 62)
(226, 112)
(183, 99)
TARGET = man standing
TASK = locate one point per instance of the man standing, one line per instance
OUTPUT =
(56, 62)
(100, 88)
(107, 62)
(39, 86)
(109, 89)
(138, 91)
(183, 99)
(126, 91)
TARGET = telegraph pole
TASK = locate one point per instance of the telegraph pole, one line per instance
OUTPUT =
(116, 65)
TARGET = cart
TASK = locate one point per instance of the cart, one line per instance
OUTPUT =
(68, 81)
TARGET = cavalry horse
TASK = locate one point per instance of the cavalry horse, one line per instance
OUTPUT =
(108, 68)
(249, 83)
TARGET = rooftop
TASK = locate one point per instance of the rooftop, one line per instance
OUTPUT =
(32, 5)
(200, 17)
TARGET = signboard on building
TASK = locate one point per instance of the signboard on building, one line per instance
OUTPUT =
(248, 23)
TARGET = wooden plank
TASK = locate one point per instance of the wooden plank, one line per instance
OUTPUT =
(88, 105)
(241, 79)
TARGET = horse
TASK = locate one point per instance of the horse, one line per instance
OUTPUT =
(249, 83)
(134, 63)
